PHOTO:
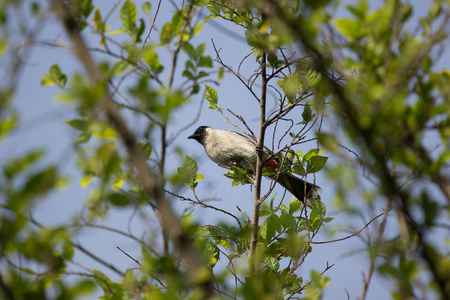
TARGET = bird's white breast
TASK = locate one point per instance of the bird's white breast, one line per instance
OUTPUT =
(227, 148)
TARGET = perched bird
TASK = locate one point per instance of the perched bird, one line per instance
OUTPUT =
(228, 148)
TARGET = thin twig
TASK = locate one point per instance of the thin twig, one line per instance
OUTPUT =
(132, 258)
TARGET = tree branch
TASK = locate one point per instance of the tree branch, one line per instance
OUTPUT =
(259, 163)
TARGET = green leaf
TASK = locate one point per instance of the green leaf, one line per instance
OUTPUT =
(86, 180)
(7, 124)
(151, 58)
(315, 164)
(146, 6)
(211, 96)
(347, 27)
(307, 114)
(200, 50)
(84, 137)
(35, 9)
(311, 153)
(251, 38)
(188, 172)
(47, 80)
(274, 62)
(267, 228)
(137, 32)
(97, 21)
(84, 287)
(118, 199)
(190, 51)
(298, 169)
(294, 206)
(55, 76)
(3, 47)
(197, 28)
(177, 22)
(318, 280)
(319, 210)
(205, 61)
(221, 73)
(213, 8)
(288, 221)
(166, 34)
(15, 166)
(199, 177)
(291, 85)
(86, 7)
(41, 182)
(272, 59)
(119, 67)
(328, 219)
(272, 263)
(77, 124)
(146, 148)
(67, 250)
(117, 184)
(238, 175)
(128, 15)
(328, 141)
(105, 133)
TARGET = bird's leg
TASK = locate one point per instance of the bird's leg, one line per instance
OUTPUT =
(234, 163)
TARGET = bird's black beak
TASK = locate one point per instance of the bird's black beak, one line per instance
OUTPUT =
(196, 137)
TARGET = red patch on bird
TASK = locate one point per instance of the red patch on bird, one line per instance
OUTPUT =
(270, 164)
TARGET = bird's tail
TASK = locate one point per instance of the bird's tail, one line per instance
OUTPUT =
(306, 192)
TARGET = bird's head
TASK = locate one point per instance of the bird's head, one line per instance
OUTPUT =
(200, 134)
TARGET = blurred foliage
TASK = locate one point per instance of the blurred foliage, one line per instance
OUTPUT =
(373, 77)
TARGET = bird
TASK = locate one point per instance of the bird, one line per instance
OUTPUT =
(228, 148)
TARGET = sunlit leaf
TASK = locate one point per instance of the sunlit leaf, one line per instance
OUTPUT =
(146, 6)
(211, 96)
(128, 15)
(86, 180)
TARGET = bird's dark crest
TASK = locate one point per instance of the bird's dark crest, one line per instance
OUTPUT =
(199, 133)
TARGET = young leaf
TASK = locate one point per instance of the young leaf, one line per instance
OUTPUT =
(55, 76)
(119, 67)
(128, 15)
(298, 169)
(315, 164)
(211, 96)
(190, 51)
(146, 148)
(288, 221)
(118, 199)
(267, 228)
(86, 180)
(146, 7)
(67, 250)
(294, 206)
(97, 21)
(221, 73)
(311, 153)
(307, 114)
(151, 58)
(166, 34)
(188, 172)
(238, 175)
(205, 61)
(272, 263)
